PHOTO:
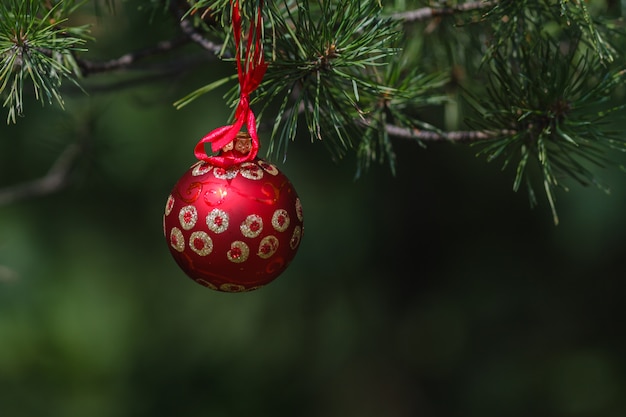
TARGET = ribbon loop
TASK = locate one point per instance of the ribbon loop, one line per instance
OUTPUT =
(250, 74)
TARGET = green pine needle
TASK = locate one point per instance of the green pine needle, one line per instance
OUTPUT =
(550, 106)
(36, 50)
(324, 74)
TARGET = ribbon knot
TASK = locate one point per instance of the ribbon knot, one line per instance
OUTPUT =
(250, 74)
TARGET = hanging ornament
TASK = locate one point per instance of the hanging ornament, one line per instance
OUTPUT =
(233, 228)
(233, 222)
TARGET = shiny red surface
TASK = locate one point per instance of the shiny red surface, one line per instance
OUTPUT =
(233, 229)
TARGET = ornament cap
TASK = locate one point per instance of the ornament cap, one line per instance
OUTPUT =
(241, 145)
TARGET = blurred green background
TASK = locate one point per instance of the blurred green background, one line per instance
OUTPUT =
(437, 292)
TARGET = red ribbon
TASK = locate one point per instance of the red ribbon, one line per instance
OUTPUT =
(250, 73)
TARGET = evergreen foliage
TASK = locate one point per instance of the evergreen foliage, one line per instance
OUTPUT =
(37, 51)
(531, 82)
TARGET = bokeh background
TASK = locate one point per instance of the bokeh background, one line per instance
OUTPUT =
(437, 292)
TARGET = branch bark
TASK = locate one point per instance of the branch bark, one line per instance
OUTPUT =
(190, 31)
(430, 12)
(88, 67)
(189, 34)
(463, 136)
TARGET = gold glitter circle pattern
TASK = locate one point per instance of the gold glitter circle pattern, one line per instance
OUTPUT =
(238, 252)
(177, 240)
(299, 209)
(251, 171)
(201, 168)
(225, 174)
(201, 243)
(188, 217)
(206, 283)
(169, 205)
(280, 220)
(269, 168)
(232, 288)
(252, 226)
(295, 238)
(217, 221)
(268, 247)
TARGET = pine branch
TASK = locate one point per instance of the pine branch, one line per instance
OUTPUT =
(36, 49)
(26, 30)
(548, 68)
(190, 31)
(554, 98)
(89, 67)
(326, 60)
(467, 136)
(425, 13)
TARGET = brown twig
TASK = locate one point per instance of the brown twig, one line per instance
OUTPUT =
(430, 12)
(459, 136)
(189, 34)
(190, 31)
(463, 136)
(93, 67)
(58, 175)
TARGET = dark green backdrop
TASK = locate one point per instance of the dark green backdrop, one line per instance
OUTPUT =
(437, 292)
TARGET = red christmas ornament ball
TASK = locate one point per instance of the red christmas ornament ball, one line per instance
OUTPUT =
(233, 229)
